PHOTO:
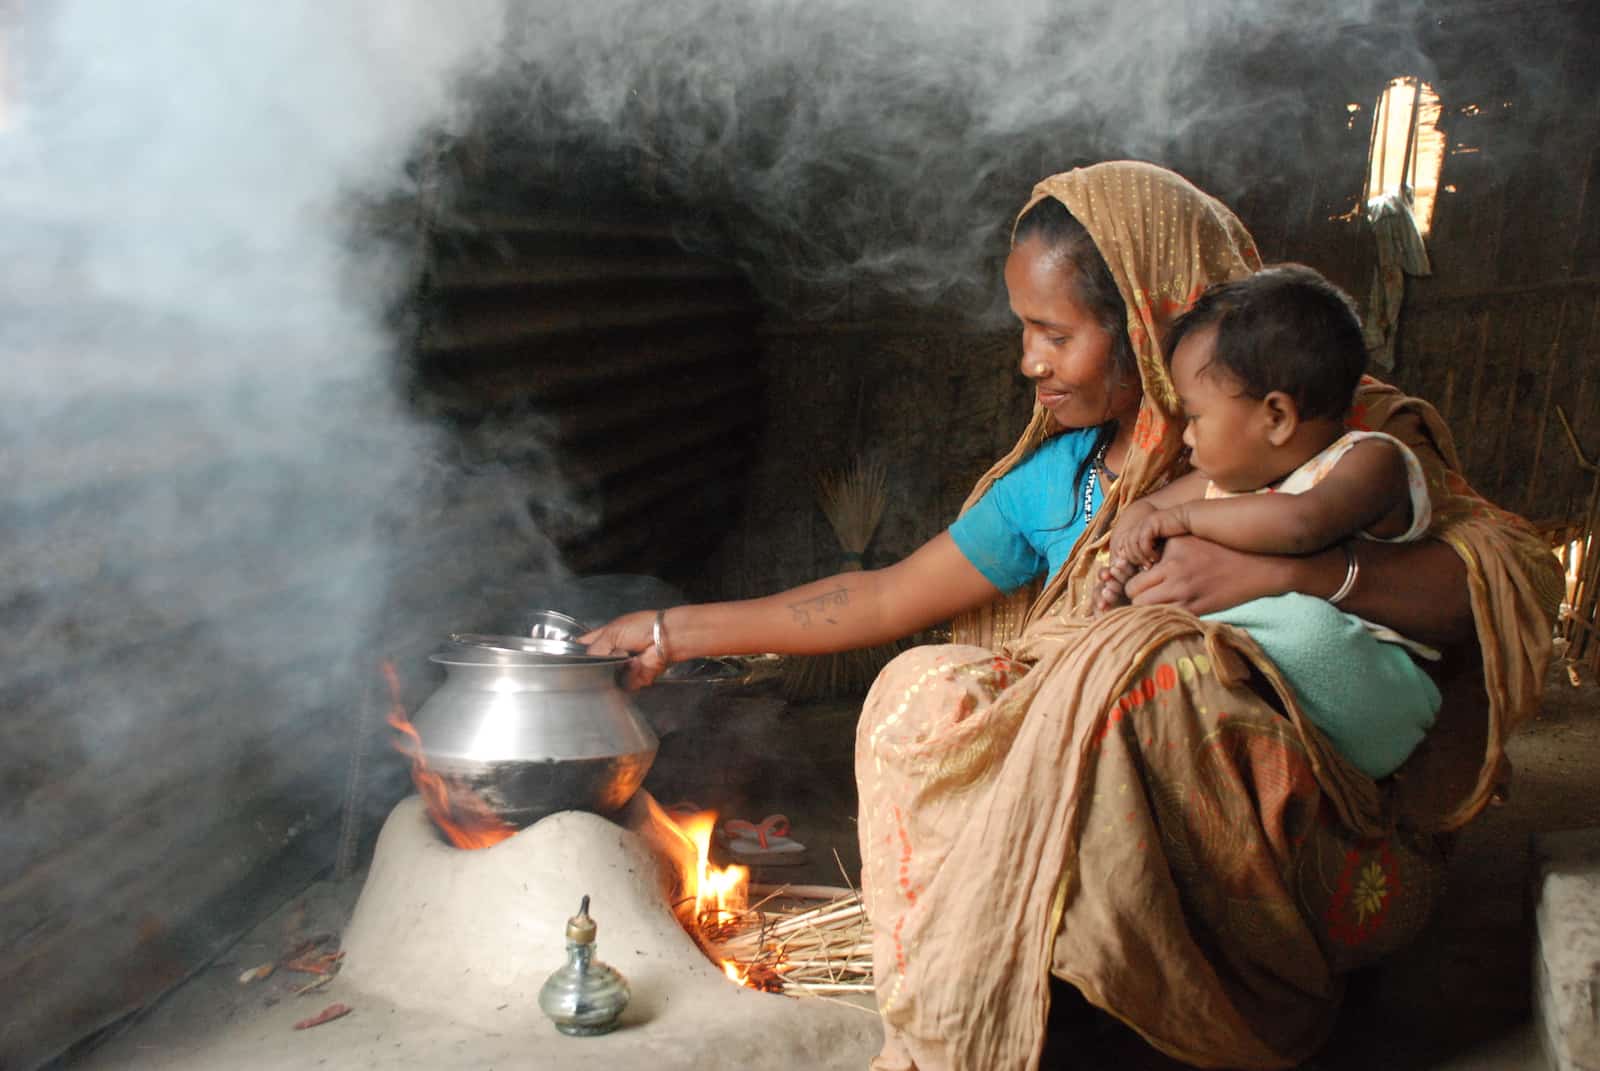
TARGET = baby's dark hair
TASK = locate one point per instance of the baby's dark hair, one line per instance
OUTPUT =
(1285, 328)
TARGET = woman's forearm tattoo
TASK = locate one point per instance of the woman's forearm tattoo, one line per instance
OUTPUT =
(823, 606)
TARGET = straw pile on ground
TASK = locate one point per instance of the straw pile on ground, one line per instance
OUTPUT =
(790, 943)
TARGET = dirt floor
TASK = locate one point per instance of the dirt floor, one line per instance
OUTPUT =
(1458, 1000)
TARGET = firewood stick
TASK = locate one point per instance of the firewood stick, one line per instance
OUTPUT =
(310, 986)
(865, 1009)
(802, 892)
(817, 917)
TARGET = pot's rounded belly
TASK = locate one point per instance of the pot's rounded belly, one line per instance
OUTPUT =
(523, 792)
(529, 753)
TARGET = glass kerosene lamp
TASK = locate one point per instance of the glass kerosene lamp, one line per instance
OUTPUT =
(585, 996)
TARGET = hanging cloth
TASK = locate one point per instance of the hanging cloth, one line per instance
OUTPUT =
(1401, 252)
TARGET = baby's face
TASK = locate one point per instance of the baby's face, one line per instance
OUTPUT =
(1226, 432)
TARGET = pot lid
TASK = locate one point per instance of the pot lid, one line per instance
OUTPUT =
(474, 649)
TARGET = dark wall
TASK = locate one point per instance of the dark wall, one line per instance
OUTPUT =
(1504, 329)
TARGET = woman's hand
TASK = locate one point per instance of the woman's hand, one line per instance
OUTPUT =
(631, 634)
(1202, 577)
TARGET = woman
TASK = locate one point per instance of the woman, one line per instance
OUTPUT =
(1134, 803)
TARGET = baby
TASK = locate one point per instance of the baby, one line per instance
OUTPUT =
(1266, 368)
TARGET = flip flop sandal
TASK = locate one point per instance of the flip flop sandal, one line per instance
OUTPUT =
(766, 843)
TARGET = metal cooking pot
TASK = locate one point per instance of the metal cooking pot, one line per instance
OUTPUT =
(530, 729)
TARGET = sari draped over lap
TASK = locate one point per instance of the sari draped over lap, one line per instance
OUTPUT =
(1135, 802)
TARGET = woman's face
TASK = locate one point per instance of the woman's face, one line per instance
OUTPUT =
(1065, 350)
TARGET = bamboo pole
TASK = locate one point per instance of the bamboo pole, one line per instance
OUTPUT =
(1508, 416)
(1583, 596)
(1475, 395)
(1584, 345)
(1544, 408)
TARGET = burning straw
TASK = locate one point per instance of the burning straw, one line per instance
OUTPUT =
(822, 950)
(780, 943)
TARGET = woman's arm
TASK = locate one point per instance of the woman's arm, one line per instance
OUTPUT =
(843, 612)
(1418, 589)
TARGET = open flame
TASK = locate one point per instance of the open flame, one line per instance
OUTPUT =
(720, 893)
(466, 820)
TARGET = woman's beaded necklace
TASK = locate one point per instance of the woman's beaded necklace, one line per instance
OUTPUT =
(1095, 464)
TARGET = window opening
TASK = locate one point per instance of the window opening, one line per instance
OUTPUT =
(1406, 148)
(10, 61)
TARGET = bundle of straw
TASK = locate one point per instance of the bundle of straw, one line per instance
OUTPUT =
(853, 500)
(823, 950)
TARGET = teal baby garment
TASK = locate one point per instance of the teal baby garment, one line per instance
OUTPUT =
(1369, 697)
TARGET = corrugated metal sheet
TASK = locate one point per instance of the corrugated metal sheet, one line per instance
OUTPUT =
(636, 362)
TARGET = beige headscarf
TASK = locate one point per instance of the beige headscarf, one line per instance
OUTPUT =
(1165, 241)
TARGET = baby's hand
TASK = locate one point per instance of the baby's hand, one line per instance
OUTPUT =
(1123, 544)
(1147, 537)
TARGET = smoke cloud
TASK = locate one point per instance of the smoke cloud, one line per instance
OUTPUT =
(836, 142)
(200, 344)
(210, 473)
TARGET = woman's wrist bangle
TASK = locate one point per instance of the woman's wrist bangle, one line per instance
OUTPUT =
(658, 634)
(1352, 573)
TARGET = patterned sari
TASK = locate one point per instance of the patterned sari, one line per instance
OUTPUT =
(1135, 803)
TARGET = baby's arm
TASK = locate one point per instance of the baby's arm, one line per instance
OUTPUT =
(1367, 489)
(1123, 562)
(1186, 488)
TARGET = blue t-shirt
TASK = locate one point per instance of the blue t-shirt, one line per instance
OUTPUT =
(1027, 523)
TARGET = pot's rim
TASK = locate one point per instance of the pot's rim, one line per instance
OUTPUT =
(471, 649)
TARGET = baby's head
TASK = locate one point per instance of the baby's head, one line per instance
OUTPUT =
(1266, 367)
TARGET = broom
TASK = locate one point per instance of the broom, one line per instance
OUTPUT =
(853, 501)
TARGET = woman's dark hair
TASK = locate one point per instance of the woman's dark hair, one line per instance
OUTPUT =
(1050, 222)
(1285, 328)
